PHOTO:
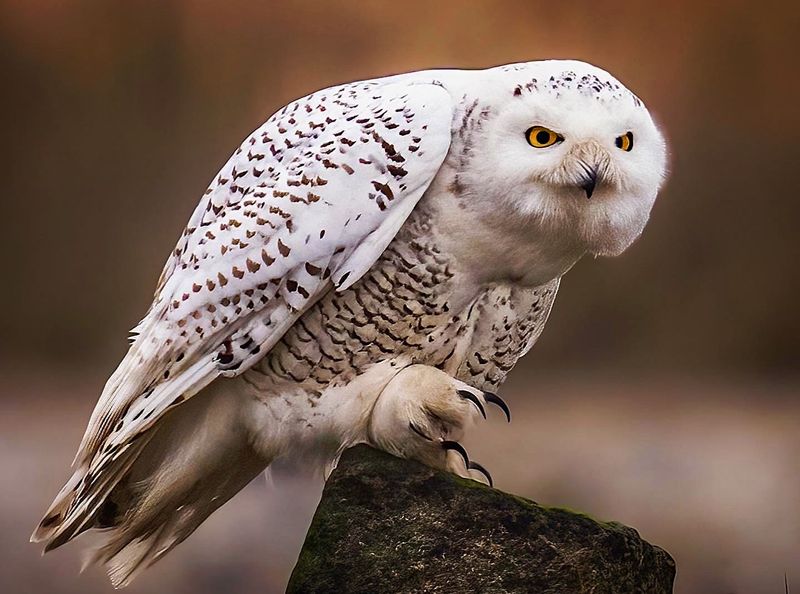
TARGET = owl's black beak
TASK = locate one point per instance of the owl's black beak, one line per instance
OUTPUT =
(589, 180)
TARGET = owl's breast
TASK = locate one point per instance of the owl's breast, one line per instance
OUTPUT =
(414, 301)
(505, 322)
(409, 303)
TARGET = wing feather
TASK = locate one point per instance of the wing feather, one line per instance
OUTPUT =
(307, 203)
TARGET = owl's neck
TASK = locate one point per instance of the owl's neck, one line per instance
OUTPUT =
(490, 250)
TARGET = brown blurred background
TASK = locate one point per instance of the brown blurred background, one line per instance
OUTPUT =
(664, 392)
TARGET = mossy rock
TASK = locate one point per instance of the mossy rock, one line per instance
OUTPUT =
(386, 525)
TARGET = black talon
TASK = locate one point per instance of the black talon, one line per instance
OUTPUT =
(482, 470)
(466, 394)
(418, 431)
(495, 399)
(455, 446)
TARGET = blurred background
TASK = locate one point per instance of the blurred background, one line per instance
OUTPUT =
(664, 392)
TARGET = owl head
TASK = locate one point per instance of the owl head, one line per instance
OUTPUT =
(565, 147)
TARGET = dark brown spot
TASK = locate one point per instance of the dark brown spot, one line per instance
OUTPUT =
(384, 189)
(252, 266)
(397, 171)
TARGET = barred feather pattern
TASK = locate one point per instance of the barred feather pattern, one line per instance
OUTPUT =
(403, 307)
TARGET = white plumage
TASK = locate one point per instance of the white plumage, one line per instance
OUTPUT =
(367, 264)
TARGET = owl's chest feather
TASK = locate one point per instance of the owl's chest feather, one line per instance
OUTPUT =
(403, 305)
(412, 302)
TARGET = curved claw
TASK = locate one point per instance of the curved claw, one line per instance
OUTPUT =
(418, 431)
(457, 447)
(482, 470)
(495, 399)
(467, 395)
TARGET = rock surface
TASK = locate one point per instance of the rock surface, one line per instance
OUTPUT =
(386, 525)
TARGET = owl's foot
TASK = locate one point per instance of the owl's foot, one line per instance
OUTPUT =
(423, 413)
(456, 447)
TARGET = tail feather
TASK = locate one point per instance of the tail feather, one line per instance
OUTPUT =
(157, 493)
(124, 559)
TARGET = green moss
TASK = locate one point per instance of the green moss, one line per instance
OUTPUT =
(391, 525)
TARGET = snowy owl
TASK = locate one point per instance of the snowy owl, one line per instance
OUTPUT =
(366, 268)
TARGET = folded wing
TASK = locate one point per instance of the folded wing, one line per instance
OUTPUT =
(307, 203)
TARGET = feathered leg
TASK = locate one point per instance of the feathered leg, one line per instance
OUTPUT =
(423, 413)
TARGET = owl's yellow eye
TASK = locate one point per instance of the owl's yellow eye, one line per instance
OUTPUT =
(625, 142)
(541, 137)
